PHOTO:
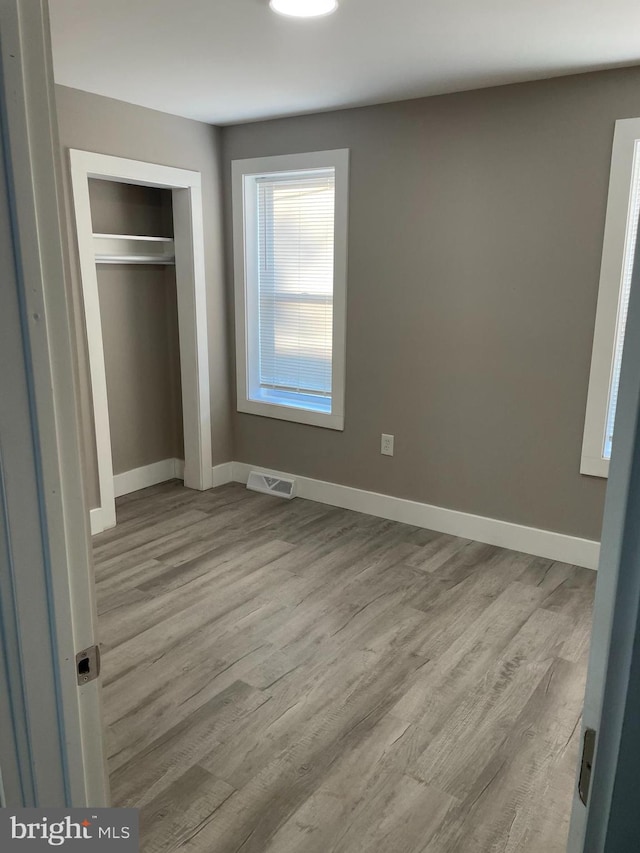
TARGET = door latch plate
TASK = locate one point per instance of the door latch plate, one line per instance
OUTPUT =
(88, 664)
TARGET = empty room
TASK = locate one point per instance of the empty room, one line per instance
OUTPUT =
(343, 419)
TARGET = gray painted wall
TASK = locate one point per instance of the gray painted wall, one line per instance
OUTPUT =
(476, 225)
(139, 315)
(104, 125)
(129, 209)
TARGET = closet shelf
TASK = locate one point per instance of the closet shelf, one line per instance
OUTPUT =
(133, 249)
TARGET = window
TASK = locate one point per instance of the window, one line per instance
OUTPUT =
(620, 236)
(290, 246)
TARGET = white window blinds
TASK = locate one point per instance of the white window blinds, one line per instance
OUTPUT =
(295, 234)
(623, 306)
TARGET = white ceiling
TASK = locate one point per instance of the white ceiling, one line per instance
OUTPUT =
(226, 61)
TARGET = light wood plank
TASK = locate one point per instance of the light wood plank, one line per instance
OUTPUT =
(287, 677)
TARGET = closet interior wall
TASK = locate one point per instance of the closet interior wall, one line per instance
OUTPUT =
(139, 316)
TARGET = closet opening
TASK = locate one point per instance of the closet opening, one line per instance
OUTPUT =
(140, 242)
(135, 267)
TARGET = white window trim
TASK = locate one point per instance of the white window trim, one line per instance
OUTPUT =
(626, 153)
(339, 160)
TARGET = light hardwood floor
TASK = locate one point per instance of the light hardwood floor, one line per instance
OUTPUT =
(286, 677)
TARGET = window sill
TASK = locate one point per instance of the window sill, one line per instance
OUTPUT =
(594, 466)
(291, 413)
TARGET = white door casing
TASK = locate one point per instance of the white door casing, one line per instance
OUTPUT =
(192, 312)
(49, 612)
(617, 602)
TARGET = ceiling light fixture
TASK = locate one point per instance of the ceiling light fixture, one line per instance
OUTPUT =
(304, 8)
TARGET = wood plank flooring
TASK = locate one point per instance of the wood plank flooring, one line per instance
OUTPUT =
(286, 677)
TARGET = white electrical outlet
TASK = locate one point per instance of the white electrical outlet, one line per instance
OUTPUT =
(386, 445)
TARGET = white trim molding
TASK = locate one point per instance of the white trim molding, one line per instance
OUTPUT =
(625, 162)
(192, 309)
(150, 475)
(223, 474)
(52, 743)
(492, 531)
(147, 475)
(96, 521)
(251, 397)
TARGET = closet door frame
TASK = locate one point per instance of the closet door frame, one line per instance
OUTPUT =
(192, 313)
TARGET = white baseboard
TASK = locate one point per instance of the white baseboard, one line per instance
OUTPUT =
(492, 531)
(505, 534)
(96, 520)
(222, 474)
(147, 475)
(132, 481)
